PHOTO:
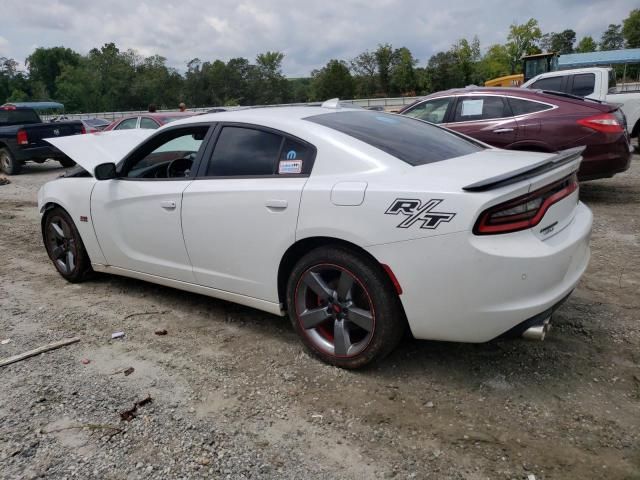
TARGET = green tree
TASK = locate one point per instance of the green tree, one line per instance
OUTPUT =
(365, 69)
(631, 29)
(467, 57)
(385, 58)
(267, 80)
(332, 80)
(586, 44)
(612, 38)
(403, 74)
(561, 43)
(522, 40)
(443, 71)
(45, 64)
(495, 63)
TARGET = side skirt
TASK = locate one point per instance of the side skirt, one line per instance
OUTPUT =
(270, 307)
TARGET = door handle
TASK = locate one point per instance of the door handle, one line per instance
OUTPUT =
(168, 204)
(503, 130)
(276, 204)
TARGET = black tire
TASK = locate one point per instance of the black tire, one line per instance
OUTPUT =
(8, 163)
(66, 162)
(61, 239)
(366, 318)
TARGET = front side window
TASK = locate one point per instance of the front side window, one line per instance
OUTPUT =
(241, 151)
(170, 155)
(148, 123)
(470, 109)
(583, 84)
(407, 139)
(552, 83)
(127, 124)
(432, 111)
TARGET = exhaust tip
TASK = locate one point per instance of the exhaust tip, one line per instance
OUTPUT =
(538, 332)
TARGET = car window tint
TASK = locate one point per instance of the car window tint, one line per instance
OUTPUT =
(431, 111)
(551, 83)
(295, 157)
(520, 106)
(479, 108)
(408, 139)
(583, 84)
(148, 123)
(154, 157)
(127, 124)
(244, 151)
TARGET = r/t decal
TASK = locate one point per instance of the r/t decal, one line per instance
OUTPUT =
(417, 212)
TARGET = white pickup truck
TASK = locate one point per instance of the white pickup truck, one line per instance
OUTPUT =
(596, 83)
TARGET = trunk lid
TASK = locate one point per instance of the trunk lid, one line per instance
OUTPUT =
(91, 150)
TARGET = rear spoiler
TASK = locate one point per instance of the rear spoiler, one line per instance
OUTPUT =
(551, 163)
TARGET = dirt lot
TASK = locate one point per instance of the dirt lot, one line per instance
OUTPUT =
(235, 396)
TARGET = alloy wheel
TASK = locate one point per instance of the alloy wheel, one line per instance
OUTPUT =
(61, 244)
(334, 310)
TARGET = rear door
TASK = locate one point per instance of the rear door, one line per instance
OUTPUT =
(487, 118)
(240, 214)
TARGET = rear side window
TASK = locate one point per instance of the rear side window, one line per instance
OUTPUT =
(148, 123)
(244, 151)
(480, 108)
(551, 83)
(410, 140)
(583, 84)
(520, 106)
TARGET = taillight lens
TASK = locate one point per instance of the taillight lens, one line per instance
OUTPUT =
(21, 137)
(83, 130)
(525, 211)
(605, 122)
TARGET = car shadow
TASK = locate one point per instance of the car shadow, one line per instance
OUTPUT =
(607, 193)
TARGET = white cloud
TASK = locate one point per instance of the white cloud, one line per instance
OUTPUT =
(310, 33)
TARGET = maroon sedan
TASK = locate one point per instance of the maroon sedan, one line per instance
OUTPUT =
(519, 119)
(147, 120)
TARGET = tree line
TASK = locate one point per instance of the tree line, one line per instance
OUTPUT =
(109, 79)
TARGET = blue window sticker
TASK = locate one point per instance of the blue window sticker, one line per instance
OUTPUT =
(291, 155)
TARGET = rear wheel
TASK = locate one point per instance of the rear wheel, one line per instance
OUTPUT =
(65, 247)
(66, 162)
(343, 307)
(8, 164)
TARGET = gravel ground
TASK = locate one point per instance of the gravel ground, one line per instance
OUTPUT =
(234, 395)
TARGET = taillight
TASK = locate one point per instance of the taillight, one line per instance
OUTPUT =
(83, 130)
(605, 122)
(21, 137)
(525, 211)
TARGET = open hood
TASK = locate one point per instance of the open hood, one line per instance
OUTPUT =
(91, 150)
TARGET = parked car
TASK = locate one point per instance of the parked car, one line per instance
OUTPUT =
(521, 119)
(147, 120)
(354, 222)
(595, 83)
(93, 125)
(22, 135)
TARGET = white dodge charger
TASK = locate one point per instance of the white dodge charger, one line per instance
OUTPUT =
(354, 223)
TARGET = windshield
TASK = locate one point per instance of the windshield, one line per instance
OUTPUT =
(18, 117)
(412, 141)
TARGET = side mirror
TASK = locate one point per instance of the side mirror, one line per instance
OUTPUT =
(105, 171)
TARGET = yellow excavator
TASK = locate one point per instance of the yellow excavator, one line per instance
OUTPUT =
(532, 65)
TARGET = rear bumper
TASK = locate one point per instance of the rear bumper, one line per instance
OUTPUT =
(467, 288)
(37, 153)
(605, 160)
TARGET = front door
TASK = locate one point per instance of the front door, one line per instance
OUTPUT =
(137, 216)
(240, 215)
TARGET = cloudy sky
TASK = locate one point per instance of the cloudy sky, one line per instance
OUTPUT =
(308, 32)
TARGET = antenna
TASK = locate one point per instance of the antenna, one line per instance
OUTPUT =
(332, 103)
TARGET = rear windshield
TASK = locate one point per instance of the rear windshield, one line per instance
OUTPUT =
(18, 117)
(412, 141)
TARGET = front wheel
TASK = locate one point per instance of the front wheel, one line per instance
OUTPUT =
(8, 163)
(344, 307)
(65, 247)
